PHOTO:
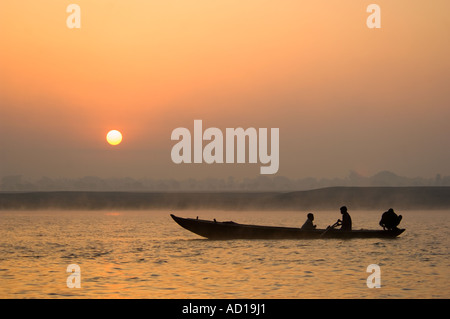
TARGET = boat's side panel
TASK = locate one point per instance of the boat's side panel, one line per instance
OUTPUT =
(364, 233)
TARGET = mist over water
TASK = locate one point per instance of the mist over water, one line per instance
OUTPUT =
(144, 254)
(361, 198)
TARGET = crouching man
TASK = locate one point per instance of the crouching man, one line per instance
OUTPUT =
(390, 220)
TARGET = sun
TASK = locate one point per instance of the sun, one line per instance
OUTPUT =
(114, 137)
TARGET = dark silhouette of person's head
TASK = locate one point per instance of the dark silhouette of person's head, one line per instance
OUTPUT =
(310, 216)
(343, 209)
(390, 210)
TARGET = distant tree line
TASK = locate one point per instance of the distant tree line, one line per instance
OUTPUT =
(259, 183)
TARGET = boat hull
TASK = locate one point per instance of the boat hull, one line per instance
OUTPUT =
(231, 230)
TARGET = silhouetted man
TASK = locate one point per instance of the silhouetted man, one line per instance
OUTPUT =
(308, 225)
(346, 222)
(390, 220)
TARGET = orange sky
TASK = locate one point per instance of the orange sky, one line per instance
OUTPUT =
(345, 97)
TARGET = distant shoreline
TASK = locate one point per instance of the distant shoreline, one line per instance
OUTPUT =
(379, 198)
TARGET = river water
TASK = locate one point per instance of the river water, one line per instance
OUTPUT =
(145, 254)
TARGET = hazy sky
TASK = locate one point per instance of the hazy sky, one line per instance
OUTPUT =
(344, 97)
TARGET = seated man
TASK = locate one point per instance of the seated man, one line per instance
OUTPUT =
(346, 222)
(390, 220)
(308, 225)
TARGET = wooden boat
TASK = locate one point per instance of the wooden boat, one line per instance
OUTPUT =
(232, 230)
